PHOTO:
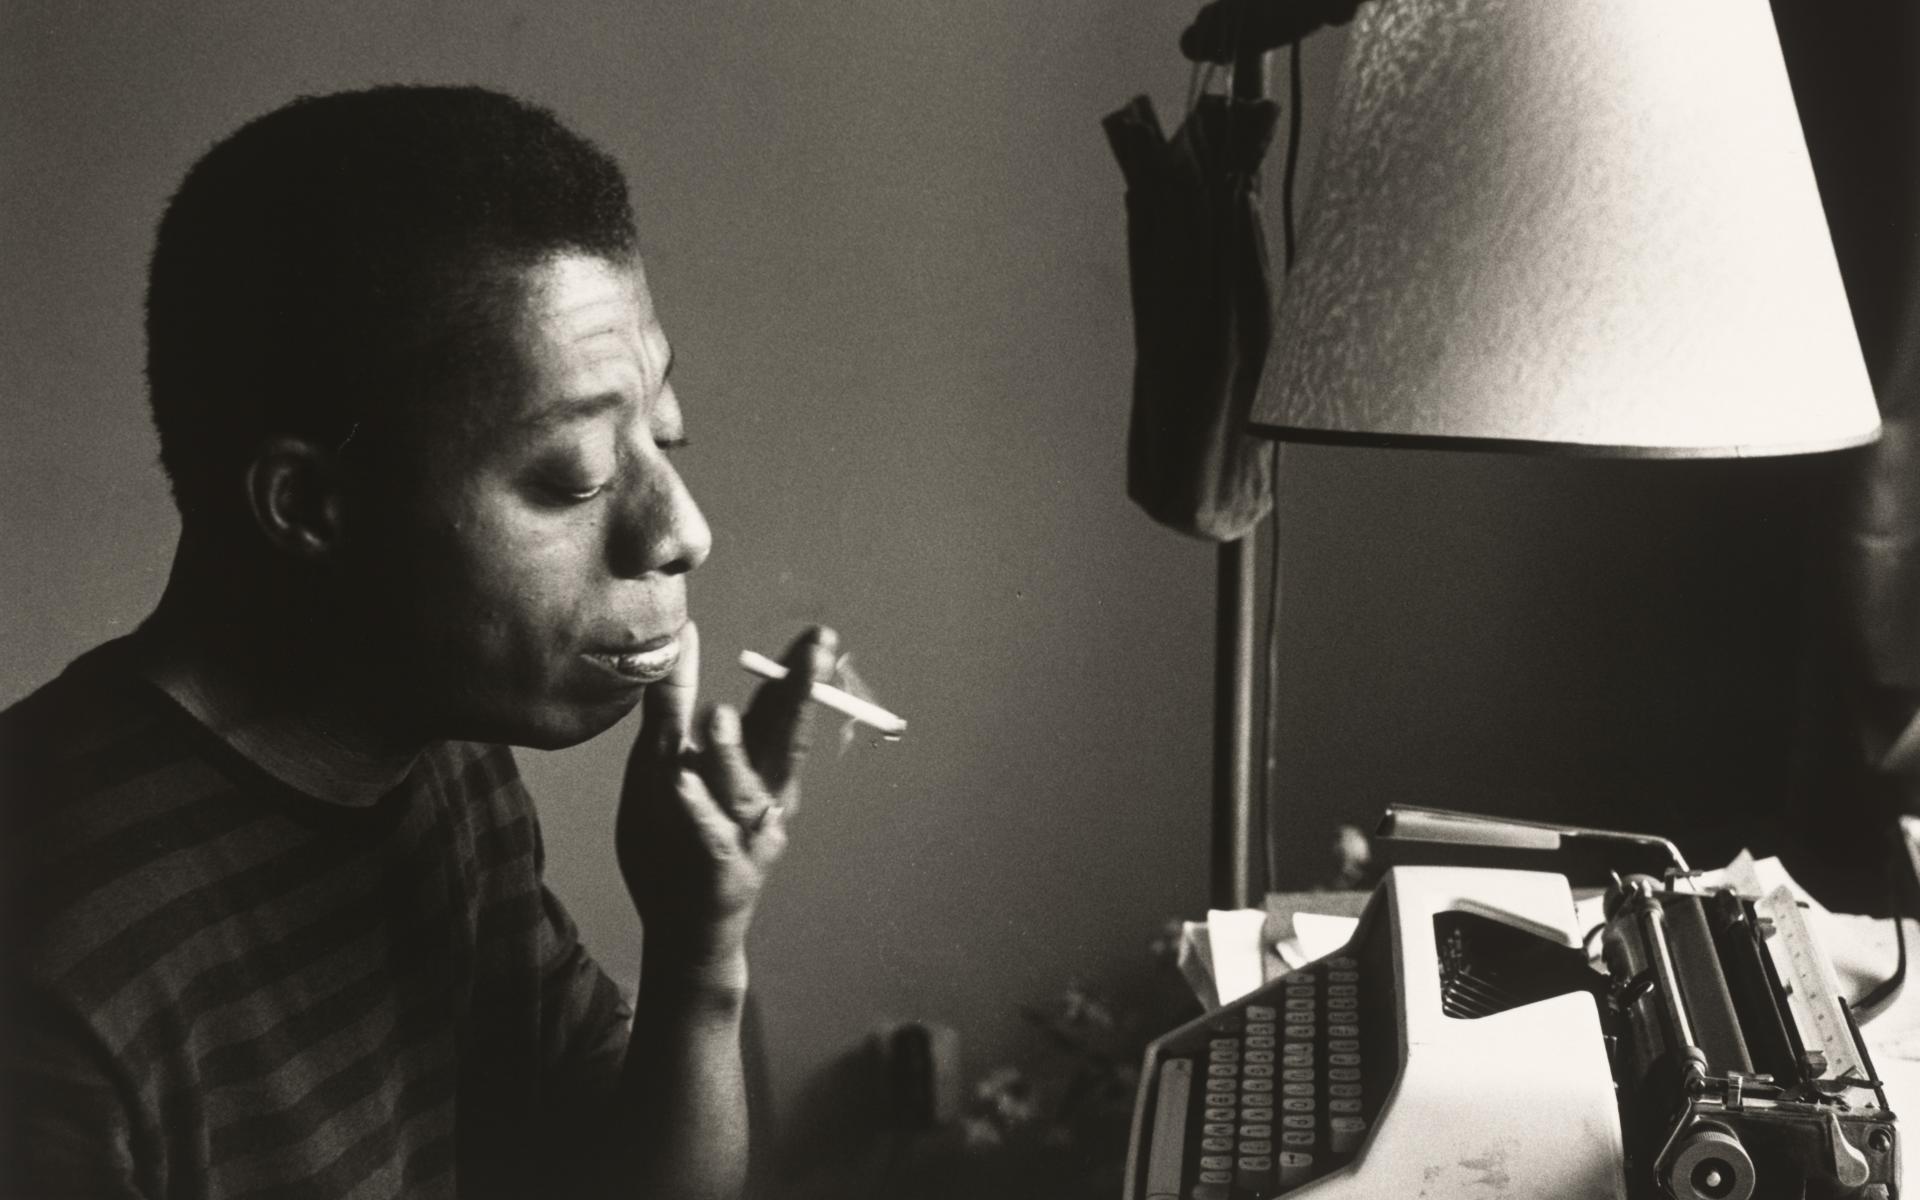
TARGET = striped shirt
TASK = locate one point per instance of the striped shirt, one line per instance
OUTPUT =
(218, 986)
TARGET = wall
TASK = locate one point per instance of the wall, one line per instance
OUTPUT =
(887, 240)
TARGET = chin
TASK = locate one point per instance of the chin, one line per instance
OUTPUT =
(550, 725)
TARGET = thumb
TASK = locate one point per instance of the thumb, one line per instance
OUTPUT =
(666, 710)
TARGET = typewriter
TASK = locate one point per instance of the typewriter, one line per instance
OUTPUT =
(1471, 1039)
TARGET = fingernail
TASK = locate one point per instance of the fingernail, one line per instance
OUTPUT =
(725, 726)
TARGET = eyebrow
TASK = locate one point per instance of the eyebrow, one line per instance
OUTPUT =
(581, 408)
(577, 408)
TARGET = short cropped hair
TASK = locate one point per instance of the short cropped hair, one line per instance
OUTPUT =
(305, 274)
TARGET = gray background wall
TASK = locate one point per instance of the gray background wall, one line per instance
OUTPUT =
(887, 238)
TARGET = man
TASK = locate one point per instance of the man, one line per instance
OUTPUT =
(274, 917)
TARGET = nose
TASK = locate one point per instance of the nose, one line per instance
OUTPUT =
(658, 528)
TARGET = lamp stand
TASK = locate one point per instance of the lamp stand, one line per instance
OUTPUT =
(1233, 870)
(1232, 858)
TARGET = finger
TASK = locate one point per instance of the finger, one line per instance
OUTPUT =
(666, 710)
(765, 844)
(728, 774)
(777, 723)
(761, 842)
(718, 831)
(739, 790)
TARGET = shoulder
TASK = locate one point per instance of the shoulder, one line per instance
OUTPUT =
(90, 725)
(104, 796)
(92, 757)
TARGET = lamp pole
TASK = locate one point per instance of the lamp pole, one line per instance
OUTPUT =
(1235, 843)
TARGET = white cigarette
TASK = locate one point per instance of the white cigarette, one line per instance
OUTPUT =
(835, 699)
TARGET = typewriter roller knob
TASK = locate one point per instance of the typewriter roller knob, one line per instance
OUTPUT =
(1710, 1164)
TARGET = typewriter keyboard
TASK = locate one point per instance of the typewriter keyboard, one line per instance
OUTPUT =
(1278, 1090)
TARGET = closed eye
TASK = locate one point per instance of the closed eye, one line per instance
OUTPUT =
(566, 495)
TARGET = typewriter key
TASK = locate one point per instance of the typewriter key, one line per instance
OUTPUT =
(1295, 1167)
(1347, 1132)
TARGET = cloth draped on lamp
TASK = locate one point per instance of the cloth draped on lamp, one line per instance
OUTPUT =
(1202, 312)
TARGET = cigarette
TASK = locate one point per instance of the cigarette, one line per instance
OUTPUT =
(853, 706)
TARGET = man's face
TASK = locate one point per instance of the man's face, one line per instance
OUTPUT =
(533, 581)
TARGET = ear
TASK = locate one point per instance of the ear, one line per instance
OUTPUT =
(293, 490)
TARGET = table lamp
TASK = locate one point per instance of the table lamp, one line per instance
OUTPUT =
(1565, 228)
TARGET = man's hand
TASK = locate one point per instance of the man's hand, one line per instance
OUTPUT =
(699, 827)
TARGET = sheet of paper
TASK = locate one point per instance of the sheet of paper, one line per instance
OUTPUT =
(1235, 938)
(1320, 934)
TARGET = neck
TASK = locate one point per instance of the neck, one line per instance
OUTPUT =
(255, 655)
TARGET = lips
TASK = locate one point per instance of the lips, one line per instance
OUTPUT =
(647, 662)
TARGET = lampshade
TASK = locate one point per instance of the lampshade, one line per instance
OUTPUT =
(1584, 226)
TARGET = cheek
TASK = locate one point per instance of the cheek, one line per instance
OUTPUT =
(521, 587)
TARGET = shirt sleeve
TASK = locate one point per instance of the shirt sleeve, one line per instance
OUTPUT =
(66, 1129)
(585, 1020)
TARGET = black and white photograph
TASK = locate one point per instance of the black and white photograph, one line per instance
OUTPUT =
(1168, 600)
